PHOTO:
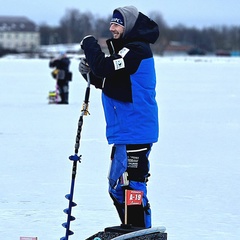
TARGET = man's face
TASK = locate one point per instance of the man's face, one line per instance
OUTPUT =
(116, 30)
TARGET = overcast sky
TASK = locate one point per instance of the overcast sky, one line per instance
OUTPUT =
(197, 13)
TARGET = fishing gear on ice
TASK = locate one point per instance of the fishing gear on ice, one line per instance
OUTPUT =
(75, 158)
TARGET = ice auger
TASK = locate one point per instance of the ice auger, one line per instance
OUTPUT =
(75, 158)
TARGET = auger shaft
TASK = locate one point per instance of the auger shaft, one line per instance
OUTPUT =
(75, 158)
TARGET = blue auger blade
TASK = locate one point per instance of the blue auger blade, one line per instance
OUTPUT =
(66, 210)
(65, 225)
(68, 196)
(72, 218)
(75, 157)
(69, 232)
(73, 204)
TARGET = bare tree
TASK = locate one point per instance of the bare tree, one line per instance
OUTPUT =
(75, 25)
(163, 39)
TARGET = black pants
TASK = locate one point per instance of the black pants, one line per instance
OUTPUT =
(63, 90)
(134, 158)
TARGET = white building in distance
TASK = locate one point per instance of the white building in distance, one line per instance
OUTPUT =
(18, 33)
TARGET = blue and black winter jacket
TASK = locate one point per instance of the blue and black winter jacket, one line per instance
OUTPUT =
(128, 80)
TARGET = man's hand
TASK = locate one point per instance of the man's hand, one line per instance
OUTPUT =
(83, 66)
(81, 43)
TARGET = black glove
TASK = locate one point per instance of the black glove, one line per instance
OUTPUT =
(81, 43)
(83, 66)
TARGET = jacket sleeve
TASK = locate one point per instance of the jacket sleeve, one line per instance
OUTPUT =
(108, 67)
(100, 65)
(52, 64)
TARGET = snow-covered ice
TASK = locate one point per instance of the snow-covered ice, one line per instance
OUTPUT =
(195, 176)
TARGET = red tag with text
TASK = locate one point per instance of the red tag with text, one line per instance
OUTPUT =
(133, 197)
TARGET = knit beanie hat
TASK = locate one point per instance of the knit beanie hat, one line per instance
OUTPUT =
(117, 18)
(126, 17)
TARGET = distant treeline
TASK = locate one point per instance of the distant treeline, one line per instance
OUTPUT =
(74, 25)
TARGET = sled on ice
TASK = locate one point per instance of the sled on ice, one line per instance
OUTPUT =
(132, 233)
(54, 97)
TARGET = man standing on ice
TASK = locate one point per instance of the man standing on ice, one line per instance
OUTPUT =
(128, 80)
